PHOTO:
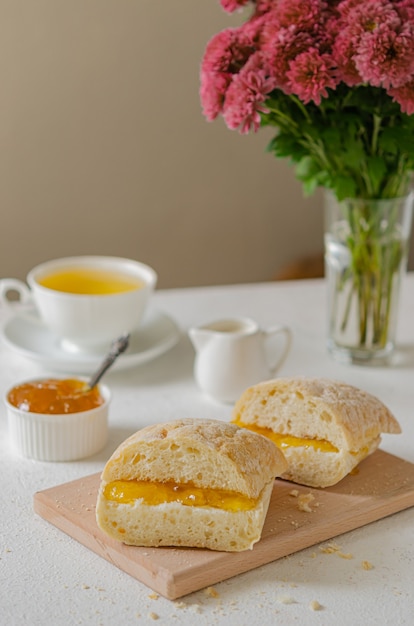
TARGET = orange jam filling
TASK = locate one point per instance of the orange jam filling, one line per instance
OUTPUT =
(54, 396)
(128, 491)
(289, 441)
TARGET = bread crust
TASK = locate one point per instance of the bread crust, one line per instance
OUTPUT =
(316, 408)
(208, 454)
(351, 419)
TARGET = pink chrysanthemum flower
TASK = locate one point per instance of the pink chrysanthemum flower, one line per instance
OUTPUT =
(344, 7)
(404, 95)
(365, 17)
(405, 9)
(304, 14)
(233, 5)
(253, 29)
(225, 54)
(310, 75)
(264, 6)
(212, 91)
(343, 53)
(246, 95)
(386, 58)
(227, 51)
(280, 46)
(364, 35)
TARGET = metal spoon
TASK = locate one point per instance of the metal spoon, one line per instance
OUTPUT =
(117, 347)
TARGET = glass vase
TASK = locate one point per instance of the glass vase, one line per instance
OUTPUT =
(366, 247)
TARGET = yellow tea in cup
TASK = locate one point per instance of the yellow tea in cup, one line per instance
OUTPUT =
(88, 301)
(89, 281)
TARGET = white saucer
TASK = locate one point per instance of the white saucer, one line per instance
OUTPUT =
(27, 335)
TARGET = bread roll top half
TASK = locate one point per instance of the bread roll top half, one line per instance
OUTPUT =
(207, 453)
(316, 408)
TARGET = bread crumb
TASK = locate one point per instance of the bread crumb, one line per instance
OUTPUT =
(153, 615)
(212, 592)
(85, 587)
(367, 565)
(180, 605)
(286, 600)
(330, 548)
(315, 606)
(294, 493)
(333, 548)
(304, 502)
(153, 596)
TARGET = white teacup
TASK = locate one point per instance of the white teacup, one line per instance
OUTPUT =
(87, 301)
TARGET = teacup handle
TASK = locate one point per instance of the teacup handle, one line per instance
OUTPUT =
(13, 284)
(268, 333)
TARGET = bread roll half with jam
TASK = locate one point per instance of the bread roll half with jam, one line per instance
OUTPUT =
(191, 482)
(324, 427)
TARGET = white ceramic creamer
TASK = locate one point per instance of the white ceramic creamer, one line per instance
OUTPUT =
(233, 354)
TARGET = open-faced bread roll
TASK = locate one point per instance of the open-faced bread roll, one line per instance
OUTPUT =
(324, 427)
(191, 482)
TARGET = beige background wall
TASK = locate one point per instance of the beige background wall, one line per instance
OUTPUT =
(104, 149)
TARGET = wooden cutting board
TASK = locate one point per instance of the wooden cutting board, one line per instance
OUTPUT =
(382, 485)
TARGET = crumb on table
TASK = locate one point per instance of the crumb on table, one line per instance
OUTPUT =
(315, 605)
(286, 600)
(212, 592)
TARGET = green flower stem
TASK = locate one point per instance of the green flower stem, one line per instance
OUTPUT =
(359, 145)
(376, 254)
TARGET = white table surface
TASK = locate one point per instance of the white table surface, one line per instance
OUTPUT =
(47, 578)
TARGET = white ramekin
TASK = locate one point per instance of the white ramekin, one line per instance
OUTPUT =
(66, 437)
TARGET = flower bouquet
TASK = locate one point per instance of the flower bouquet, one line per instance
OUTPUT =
(336, 80)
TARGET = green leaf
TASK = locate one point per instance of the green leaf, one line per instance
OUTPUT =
(376, 169)
(353, 151)
(286, 145)
(344, 187)
(332, 138)
(357, 142)
(306, 168)
(397, 140)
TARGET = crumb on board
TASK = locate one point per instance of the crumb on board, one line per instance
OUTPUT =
(304, 502)
(367, 565)
(153, 615)
(153, 596)
(315, 605)
(294, 493)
